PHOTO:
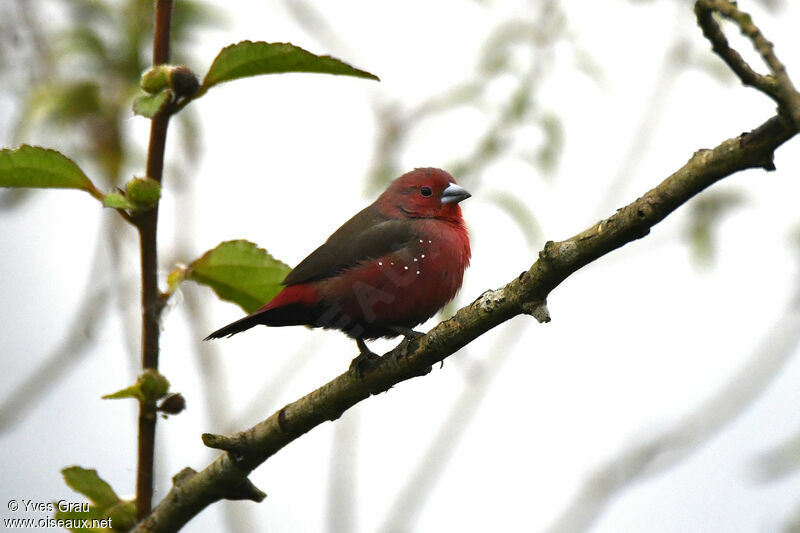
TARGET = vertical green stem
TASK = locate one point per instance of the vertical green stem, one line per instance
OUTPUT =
(152, 302)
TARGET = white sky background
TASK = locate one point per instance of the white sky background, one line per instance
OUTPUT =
(638, 340)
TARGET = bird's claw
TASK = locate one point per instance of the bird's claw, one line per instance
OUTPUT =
(366, 360)
(364, 363)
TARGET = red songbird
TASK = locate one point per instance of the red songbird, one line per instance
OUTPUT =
(389, 268)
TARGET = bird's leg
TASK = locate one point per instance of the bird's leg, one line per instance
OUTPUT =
(365, 360)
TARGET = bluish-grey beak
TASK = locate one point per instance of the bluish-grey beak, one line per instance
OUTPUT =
(452, 194)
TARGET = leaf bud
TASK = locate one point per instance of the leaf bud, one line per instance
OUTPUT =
(144, 192)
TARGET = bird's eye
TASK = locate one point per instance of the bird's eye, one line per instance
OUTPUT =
(425, 191)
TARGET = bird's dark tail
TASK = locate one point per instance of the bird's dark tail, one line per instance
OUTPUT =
(236, 327)
(291, 314)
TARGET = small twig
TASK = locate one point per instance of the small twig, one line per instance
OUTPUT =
(777, 86)
(152, 302)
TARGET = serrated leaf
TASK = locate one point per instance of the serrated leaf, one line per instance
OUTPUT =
(240, 272)
(87, 482)
(117, 201)
(33, 166)
(249, 58)
(149, 105)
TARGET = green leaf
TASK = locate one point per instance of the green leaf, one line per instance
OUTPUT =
(240, 272)
(251, 59)
(73, 520)
(106, 507)
(87, 482)
(117, 201)
(123, 515)
(149, 105)
(32, 166)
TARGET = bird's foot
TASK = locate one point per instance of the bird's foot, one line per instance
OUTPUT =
(366, 360)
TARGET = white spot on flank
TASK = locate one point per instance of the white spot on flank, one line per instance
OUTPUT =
(417, 272)
(415, 259)
(420, 241)
(380, 263)
(405, 268)
(423, 256)
(429, 242)
(392, 263)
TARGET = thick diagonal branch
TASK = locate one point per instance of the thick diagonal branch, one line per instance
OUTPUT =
(226, 477)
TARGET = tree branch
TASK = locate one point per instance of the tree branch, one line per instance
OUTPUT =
(152, 302)
(777, 86)
(226, 477)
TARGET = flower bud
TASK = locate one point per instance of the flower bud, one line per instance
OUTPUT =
(173, 404)
(183, 82)
(144, 192)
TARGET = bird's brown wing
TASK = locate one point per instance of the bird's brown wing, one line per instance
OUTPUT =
(368, 235)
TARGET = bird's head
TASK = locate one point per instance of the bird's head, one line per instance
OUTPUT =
(423, 193)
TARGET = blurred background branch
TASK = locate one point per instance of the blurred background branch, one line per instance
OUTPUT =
(668, 448)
